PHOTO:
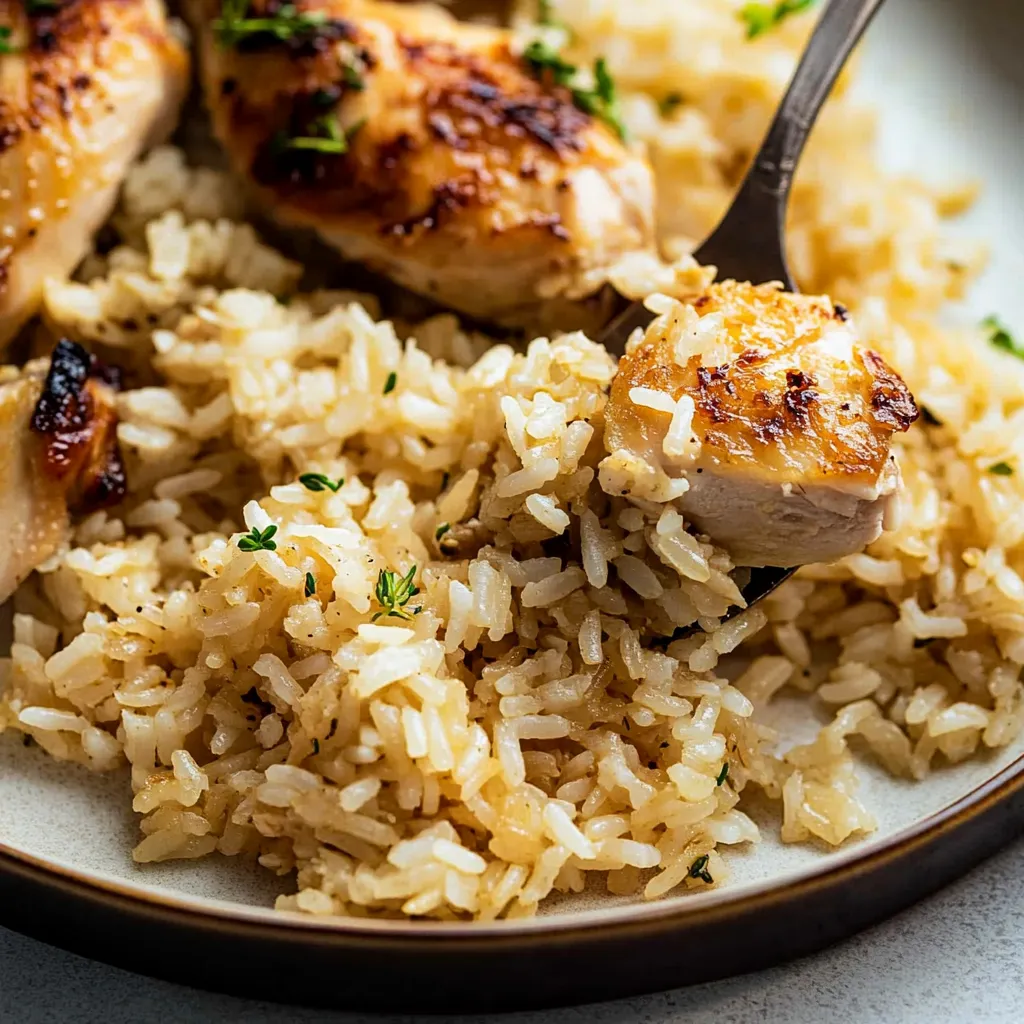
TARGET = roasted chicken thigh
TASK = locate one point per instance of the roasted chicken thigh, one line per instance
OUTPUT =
(759, 413)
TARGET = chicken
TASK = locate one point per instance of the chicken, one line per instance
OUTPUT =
(758, 413)
(58, 452)
(427, 149)
(85, 85)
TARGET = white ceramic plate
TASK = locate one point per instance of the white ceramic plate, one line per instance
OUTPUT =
(950, 80)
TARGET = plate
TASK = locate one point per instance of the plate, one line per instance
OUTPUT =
(949, 77)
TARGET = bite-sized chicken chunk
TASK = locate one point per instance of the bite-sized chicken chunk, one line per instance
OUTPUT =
(85, 86)
(426, 148)
(58, 453)
(761, 416)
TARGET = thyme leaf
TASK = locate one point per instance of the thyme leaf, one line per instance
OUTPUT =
(310, 587)
(1000, 337)
(699, 869)
(389, 384)
(320, 482)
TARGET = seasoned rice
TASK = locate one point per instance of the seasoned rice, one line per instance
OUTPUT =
(534, 718)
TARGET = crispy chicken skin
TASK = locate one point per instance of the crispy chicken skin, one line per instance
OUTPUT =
(58, 453)
(91, 84)
(788, 458)
(466, 180)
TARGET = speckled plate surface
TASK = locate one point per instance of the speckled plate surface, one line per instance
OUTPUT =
(951, 83)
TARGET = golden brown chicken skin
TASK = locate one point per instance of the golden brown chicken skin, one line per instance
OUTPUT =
(58, 454)
(85, 86)
(468, 177)
(787, 456)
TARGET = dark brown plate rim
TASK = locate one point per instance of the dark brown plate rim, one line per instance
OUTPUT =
(443, 967)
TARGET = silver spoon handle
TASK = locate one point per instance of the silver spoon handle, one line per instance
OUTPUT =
(761, 201)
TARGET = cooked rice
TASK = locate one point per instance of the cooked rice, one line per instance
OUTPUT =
(531, 726)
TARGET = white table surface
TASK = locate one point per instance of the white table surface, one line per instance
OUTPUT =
(958, 957)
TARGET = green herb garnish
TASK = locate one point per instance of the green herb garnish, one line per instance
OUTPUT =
(287, 22)
(325, 136)
(255, 540)
(1000, 337)
(600, 101)
(442, 530)
(316, 746)
(6, 46)
(760, 17)
(394, 593)
(670, 103)
(699, 869)
(320, 482)
(352, 77)
(310, 584)
(543, 58)
(389, 384)
(1001, 469)
(723, 774)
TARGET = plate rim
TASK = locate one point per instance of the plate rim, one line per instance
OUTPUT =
(831, 869)
(822, 905)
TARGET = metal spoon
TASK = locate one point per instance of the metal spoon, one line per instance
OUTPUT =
(749, 243)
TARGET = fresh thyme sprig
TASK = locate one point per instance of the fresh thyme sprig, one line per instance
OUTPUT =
(600, 101)
(259, 540)
(393, 593)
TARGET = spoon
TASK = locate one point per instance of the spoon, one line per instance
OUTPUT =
(749, 243)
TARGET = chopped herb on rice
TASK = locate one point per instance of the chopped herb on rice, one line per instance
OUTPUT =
(259, 540)
(762, 17)
(1000, 337)
(394, 592)
(320, 482)
(699, 869)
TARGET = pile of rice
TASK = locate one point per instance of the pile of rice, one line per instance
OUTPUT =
(525, 725)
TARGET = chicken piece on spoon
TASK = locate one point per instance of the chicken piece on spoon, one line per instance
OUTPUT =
(85, 86)
(426, 148)
(58, 453)
(761, 416)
